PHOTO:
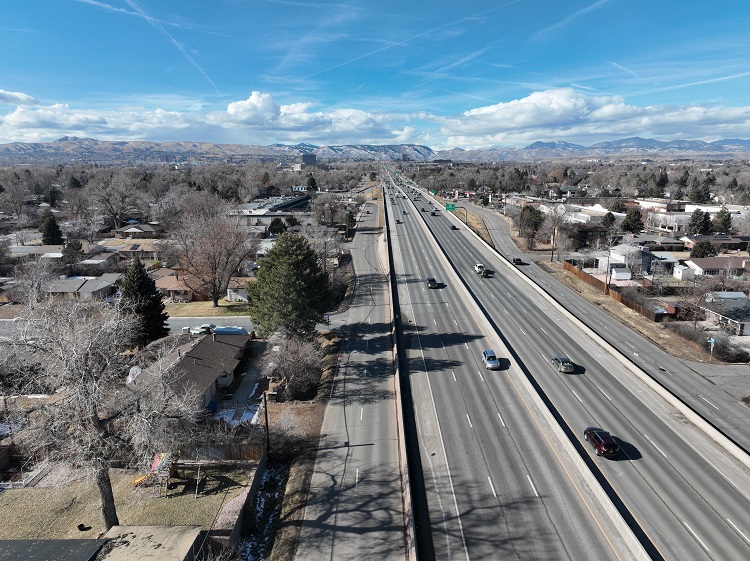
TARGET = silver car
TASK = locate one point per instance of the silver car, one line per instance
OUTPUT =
(490, 360)
(563, 364)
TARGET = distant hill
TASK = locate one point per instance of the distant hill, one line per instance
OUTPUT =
(74, 150)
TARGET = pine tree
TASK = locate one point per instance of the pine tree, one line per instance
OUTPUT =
(633, 221)
(722, 222)
(141, 298)
(72, 254)
(51, 233)
(291, 291)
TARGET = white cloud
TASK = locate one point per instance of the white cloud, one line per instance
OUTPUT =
(556, 114)
(16, 98)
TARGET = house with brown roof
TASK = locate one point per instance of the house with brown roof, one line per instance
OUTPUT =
(169, 284)
(720, 266)
(210, 365)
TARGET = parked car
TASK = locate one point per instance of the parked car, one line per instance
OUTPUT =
(563, 364)
(602, 441)
(517, 261)
(202, 329)
(490, 360)
(431, 282)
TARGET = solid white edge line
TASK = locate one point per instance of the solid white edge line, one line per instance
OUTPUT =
(501, 419)
(469, 419)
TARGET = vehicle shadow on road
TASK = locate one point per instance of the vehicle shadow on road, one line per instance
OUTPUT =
(628, 452)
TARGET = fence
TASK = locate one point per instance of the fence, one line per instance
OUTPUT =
(614, 294)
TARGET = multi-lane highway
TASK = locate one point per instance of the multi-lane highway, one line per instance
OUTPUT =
(690, 498)
(698, 385)
(499, 482)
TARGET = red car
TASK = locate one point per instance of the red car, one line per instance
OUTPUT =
(602, 442)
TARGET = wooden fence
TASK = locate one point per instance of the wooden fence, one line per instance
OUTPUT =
(614, 293)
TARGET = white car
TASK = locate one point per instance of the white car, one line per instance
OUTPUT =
(202, 329)
(479, 268)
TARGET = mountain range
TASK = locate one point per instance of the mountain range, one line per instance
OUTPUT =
(74, 150)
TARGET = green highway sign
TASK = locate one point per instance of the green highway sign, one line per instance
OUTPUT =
(450, 206)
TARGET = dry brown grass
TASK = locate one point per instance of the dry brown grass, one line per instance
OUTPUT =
(664, 338)
(206, 309)
(55, 512)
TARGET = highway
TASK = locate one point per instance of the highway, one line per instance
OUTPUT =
(688, 380)
(685, 492)
(355, 509)
(498, 483)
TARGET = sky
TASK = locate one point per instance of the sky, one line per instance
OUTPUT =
(468, 74)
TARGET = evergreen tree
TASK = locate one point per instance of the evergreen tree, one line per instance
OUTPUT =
(290, 220)
(311, 183)
(722, 222)
(72, 254)
(696, 194)
(608, 221)
(141, 298)
(290, 292)
(700, 223)
(703, 248)
(277, 226)
(530, 222)
(633, 221)
(51, 233)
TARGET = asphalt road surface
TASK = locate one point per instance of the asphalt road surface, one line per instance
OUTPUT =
(355, 508)
(497, 486)
(684, 491)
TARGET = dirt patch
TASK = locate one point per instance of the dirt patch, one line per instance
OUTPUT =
(10, 311)
(657, 333)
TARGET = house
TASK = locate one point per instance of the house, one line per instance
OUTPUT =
(85, 288)
(586, 234)
(101, 261)
(237, 289)
(140, 231)
(144, 249)
(171, 287)
(719, 266)
(209, 365)
(721, 241)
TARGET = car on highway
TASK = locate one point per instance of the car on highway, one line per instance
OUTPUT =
(563, 364)
(490, 360)
(433, 213)
(517, 261)
(454, 227)
(602, 441)
(479, 268)
(432, 282)
(403, 211)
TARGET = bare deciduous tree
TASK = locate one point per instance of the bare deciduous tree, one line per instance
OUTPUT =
(72, 351)
(296, 362)
(211, 245)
